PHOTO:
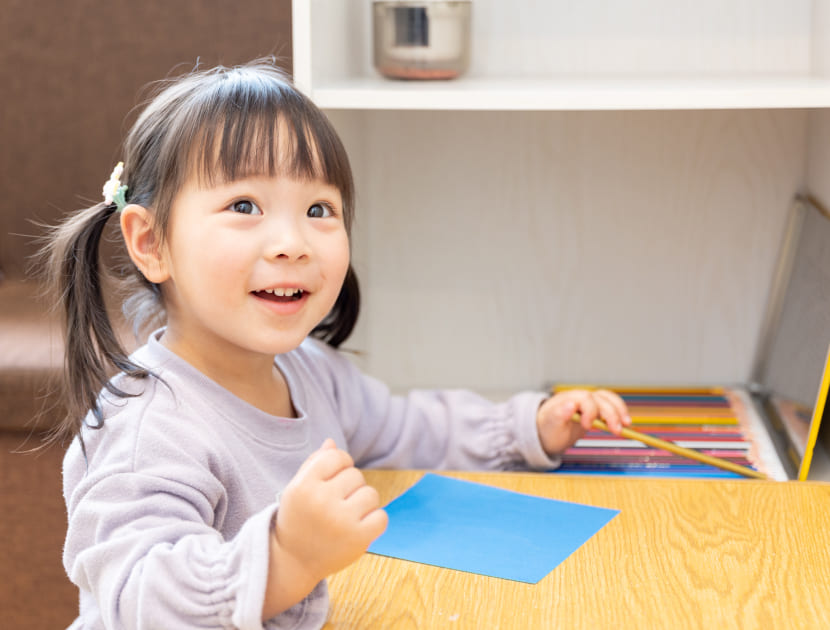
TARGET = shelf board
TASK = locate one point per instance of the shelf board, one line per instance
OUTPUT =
(618, 93)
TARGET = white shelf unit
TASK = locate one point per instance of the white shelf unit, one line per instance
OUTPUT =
(552, 55)
(600, 198)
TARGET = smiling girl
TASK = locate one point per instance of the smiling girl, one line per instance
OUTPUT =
(213, 477)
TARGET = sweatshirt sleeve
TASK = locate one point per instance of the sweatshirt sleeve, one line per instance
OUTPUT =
(441, 429)
(143, 547)
(155, 535)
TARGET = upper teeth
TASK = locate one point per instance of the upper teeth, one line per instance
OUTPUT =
(283, 292)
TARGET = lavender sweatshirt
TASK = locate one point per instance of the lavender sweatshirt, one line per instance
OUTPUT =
(169, 513)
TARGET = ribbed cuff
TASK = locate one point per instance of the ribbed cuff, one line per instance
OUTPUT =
(525, 409)
(251, 596)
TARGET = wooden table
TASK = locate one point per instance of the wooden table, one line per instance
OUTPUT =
(681, 554)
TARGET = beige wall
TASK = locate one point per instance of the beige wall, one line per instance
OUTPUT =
(70, 74)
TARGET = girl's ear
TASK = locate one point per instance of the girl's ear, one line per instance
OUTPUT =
(143, 243)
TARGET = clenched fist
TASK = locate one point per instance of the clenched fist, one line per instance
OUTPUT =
(328, 516)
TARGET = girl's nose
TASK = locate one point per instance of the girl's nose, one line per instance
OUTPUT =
(287, 241)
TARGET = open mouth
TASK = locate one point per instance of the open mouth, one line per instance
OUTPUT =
(280, 295)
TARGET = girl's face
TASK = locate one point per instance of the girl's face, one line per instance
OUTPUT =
(252, 266)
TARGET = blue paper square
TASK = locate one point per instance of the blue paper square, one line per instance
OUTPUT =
(477, 528)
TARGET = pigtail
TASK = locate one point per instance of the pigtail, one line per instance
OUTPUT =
(341, 320)
(93, 351)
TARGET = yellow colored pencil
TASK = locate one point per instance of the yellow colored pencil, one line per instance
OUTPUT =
(671, 447)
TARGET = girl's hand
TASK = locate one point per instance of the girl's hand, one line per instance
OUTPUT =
(557, 430)
(328, 516)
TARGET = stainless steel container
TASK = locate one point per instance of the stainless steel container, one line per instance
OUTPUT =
(421, 40)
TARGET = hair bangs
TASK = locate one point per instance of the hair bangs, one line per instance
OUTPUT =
(258, 130)
(227, 124)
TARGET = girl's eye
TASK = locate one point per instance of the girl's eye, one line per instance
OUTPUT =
(320, 211)
(245, 206)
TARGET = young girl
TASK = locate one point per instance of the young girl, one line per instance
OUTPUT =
(213, 482)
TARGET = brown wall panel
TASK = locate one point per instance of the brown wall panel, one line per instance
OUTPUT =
(71, 72)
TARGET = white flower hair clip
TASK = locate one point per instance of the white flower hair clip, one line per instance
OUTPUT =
(114, 191)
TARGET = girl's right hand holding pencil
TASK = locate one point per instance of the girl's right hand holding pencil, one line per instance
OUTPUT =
(327, 519)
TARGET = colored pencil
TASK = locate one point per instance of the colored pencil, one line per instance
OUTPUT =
(631, 434)
(638, 389)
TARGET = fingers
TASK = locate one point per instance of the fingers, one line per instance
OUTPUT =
(375, 524)
(588, 408)
(336, 469)
(358, 498)
(602, 404)
(325, 462)
(364, 501)
(612, 409)
(348, 481)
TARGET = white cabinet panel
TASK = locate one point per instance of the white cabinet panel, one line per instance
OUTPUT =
(499, 252)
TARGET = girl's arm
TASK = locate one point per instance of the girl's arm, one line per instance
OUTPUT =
(442, 429)
(144, 547)
(143, 552)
